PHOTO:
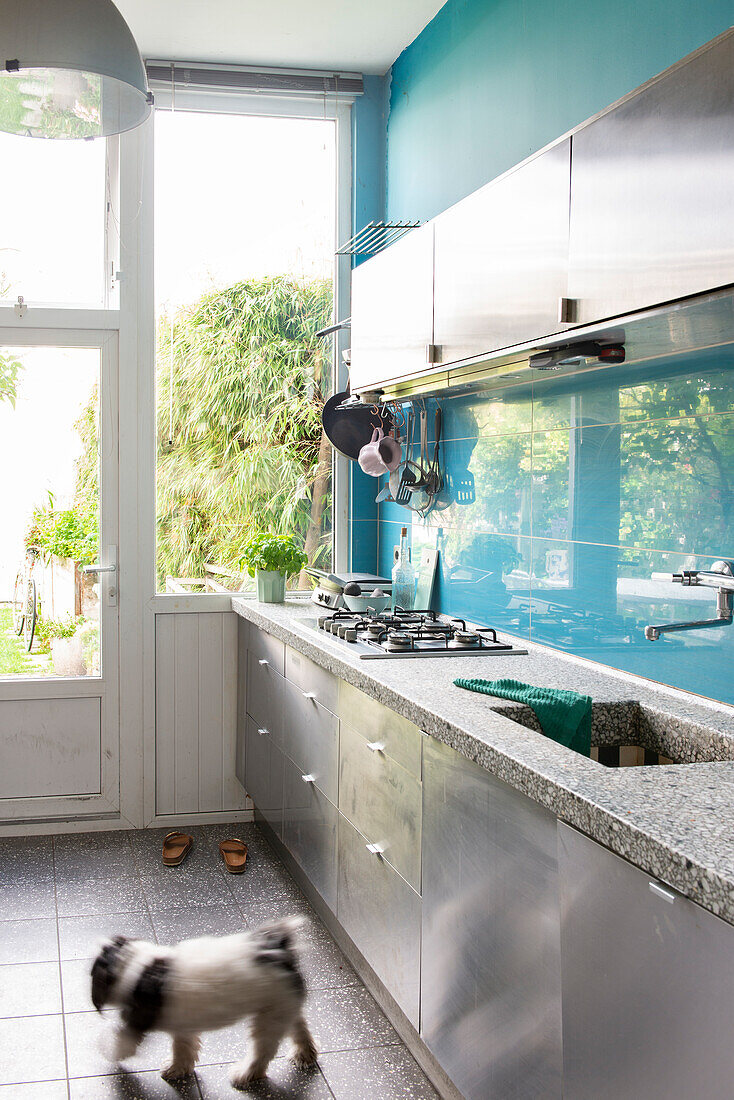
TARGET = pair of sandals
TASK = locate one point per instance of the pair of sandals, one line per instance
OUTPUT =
(176, 846)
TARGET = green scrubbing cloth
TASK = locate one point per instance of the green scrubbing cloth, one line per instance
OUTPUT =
(564, 716)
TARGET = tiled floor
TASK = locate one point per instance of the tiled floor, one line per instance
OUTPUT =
(59, 895)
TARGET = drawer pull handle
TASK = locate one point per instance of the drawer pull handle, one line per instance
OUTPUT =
(308, 694)
(308, 778)
(376, 746)
(666, 895)
(263, 662)
(375, 849)
(262, 730)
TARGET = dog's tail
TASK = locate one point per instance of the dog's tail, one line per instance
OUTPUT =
(284, 931)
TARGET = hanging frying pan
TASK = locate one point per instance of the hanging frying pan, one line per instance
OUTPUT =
(349, 423)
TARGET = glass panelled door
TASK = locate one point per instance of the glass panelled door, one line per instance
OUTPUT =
(59, 575)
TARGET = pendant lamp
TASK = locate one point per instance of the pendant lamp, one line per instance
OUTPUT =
(69, 69)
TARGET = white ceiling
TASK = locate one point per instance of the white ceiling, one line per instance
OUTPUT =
(351, 35)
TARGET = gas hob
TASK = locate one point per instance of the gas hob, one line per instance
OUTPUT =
(402, 634)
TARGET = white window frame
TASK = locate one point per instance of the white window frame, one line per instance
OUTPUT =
(339, 110)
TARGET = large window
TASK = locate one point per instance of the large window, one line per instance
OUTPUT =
(245, 233)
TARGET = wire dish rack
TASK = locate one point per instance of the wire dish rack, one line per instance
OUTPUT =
(375, 237)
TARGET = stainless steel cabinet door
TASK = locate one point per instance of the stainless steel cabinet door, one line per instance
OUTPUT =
(382, 915)
(264, 771)
(311, 738)
(648, 983)
(392, 312)
(401, 739)
(265, 695)
(321, 684)
(501, 258)
(243, 634)
(491, 967)
(652, 202)
(383, 800)
(309, 831)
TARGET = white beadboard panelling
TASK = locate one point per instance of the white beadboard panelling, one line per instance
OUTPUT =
(50, 747)
(196, 713)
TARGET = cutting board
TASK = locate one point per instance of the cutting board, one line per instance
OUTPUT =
(426, 576)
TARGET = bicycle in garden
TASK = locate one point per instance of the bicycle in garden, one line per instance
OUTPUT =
(25, 599)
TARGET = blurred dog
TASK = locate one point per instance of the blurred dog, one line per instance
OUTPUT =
(204, 984)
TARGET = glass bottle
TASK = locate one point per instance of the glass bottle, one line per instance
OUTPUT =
(403, 576)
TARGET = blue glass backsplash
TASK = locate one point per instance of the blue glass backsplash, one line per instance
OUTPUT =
(574, 492)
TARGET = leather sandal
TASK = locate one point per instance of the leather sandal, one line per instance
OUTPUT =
(176, 846)
(234, 854)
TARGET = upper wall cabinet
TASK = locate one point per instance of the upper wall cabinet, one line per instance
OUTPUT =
(392, 312)
(652, 201)
(500, 260)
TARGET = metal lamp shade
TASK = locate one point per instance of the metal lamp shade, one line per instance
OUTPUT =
(69, 69)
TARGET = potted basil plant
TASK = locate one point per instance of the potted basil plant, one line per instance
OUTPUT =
(271, 559)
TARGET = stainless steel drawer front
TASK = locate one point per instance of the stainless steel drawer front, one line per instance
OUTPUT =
(310, 831)
(400, 739)
(311, 738)
(383, 801)
(382, 914)
(266, 647)
(264, 772)
(265, 695)
(310, 677)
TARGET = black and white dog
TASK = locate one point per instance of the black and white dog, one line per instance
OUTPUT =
(204, 984)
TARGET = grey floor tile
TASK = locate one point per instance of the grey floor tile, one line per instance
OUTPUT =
(80, 895)
(28, 941)
(284, 1082)
(196, 883)
(76, 983)
(88, 1039)
(39, 1090)
(347, 1019)
(388, 1072)
(228, 1044)
(79, 936)
(262, 902)
(172, 925)
(27, 900)
(323, 964)
(132, 1086)
(26, 859)
(32, 1049)
(105, 854)
(29, 989)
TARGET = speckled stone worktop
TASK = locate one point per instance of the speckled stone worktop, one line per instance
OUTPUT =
(676, 821)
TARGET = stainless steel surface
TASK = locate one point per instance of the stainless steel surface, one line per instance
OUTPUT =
(265, 648)
(265, 688)
(491, 967)
(501, 259)
(392, 311)
(381, 913)
(647, 985)
(310, 831)
(383, 800)
(652, 207)
(243, 637)
(376, 722)
(312, 678)
(721, 577)
(311, 738)
(264, 773)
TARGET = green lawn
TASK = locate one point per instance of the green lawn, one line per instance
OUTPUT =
(13, 656)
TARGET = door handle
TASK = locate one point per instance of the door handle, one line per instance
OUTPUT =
(308, 694)
(308, 778)
(262, 731)
(375, 849)
(376, 746)
(97, 568)
(263, 662)
(666, 895)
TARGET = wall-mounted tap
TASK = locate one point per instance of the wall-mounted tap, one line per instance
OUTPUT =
(721, 577)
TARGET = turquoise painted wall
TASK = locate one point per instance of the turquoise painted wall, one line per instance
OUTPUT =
(488, 82)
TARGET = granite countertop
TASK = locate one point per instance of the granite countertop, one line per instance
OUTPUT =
(676, 822)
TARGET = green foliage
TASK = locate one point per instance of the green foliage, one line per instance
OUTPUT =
(68, 533)
(13, 658)
(241, 381)
(10, 368)
(48, 629)
(275, 552)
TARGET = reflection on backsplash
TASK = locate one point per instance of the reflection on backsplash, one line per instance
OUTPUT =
(582, 489)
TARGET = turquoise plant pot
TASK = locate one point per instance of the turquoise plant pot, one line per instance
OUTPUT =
(270, 585)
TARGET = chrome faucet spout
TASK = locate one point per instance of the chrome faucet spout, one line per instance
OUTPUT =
(721, 577)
